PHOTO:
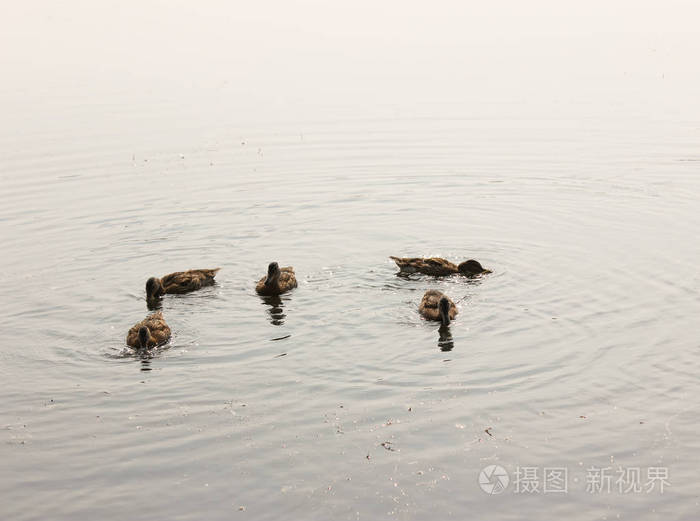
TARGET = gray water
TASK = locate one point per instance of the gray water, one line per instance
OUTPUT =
(557, 145)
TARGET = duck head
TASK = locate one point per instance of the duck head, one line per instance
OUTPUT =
(471, 268)
(273, 274)
(444, 307)
(144, 337)
(154, 289)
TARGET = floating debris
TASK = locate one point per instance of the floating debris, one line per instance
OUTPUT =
(487, 430)
(388, 446)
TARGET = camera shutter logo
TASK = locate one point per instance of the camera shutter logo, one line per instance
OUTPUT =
(493, 479)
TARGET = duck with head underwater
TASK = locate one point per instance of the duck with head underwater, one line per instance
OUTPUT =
(278, 280)
(438, 267)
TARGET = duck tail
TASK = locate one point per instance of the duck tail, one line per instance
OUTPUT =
(210, 274)
(403, 264)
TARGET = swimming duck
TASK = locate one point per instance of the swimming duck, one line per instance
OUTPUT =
(435, 305)
(179, 282)
(150, 332)
(438, 267)
(278, 280)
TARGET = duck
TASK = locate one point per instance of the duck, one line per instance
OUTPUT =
(439, 267)
(278, 280)
(152, 331)
(435, 305)
(179, 282)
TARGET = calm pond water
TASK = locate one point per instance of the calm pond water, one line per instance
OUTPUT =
(559, 149)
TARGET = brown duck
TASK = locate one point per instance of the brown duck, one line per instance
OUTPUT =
(179, 282)
(150, 332)
(437, 306)
(439, 267)
(278, 280)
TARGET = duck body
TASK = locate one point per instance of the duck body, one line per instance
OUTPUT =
(278, 280)
(431, 266)
(186, 281)
(438, 267)
(179, 282)
(435, 305)
(152, 331)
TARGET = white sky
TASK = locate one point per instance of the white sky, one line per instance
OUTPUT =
(286, 54)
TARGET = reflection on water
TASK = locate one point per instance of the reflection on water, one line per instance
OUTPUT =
(145, 361)
(145, 357)
(445, 342)
(275, 311)
(154, 304)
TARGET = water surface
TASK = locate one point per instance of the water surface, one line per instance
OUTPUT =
(140, 142)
